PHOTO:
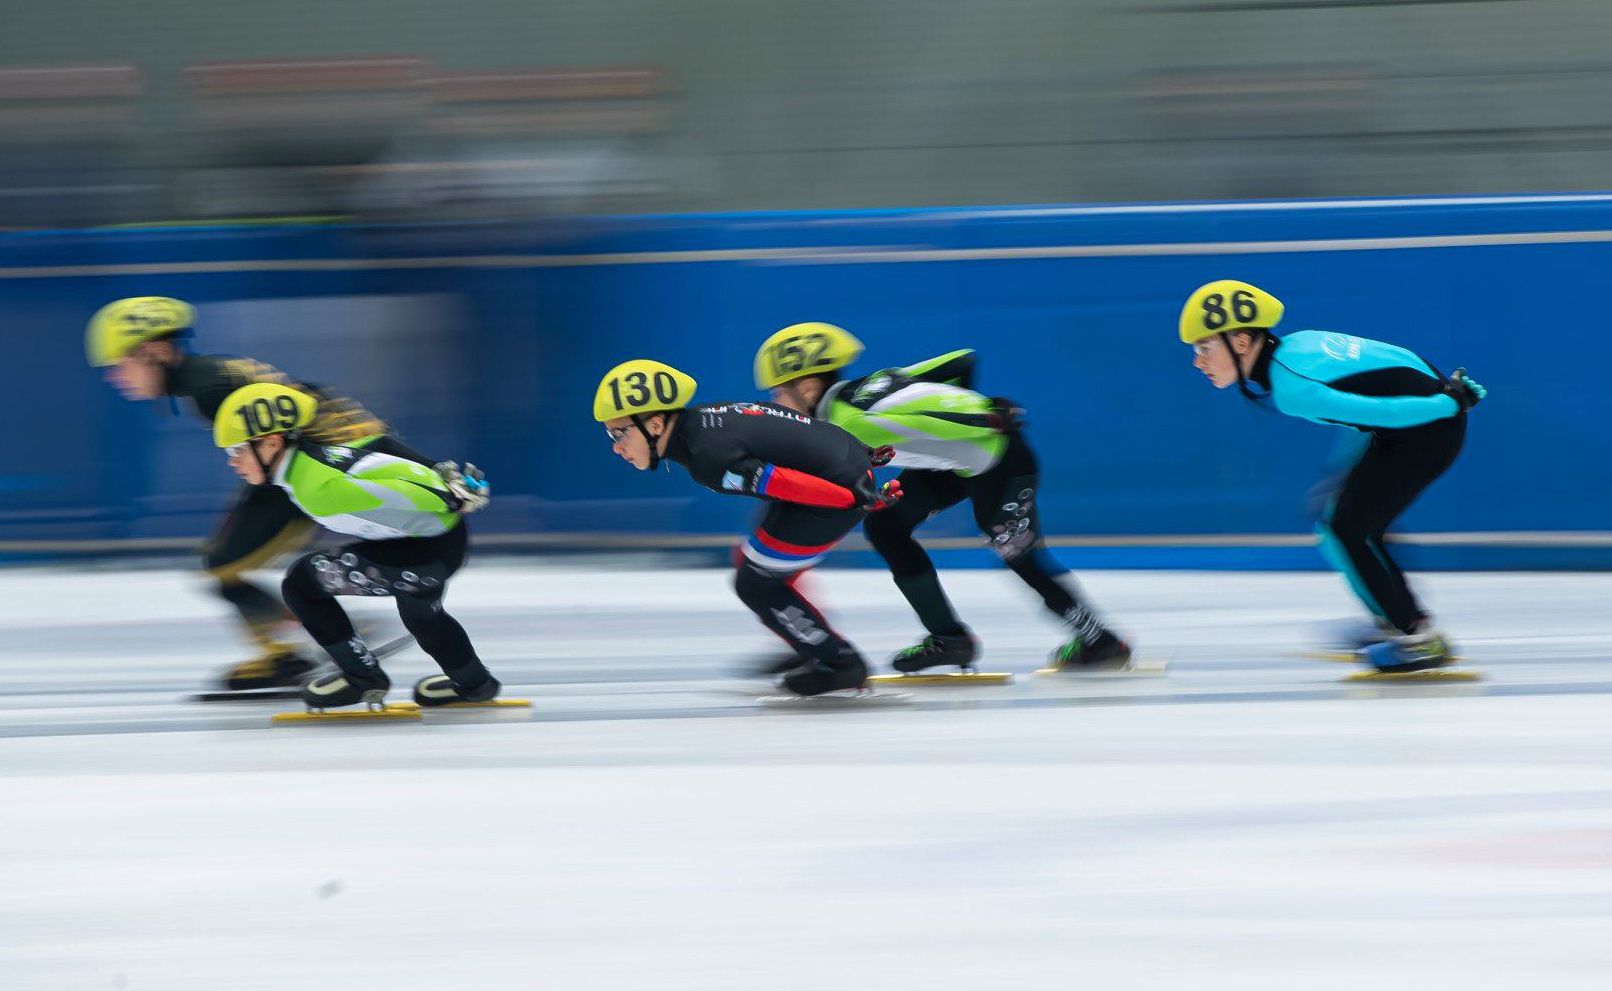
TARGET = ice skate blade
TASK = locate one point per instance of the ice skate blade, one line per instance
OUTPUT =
(846, 699)
(1135, 669)
(1341, 656)
(1335, 656)
(1411, 677)
(248, 695)
(950, 678)
(489, 704)
(395, 710)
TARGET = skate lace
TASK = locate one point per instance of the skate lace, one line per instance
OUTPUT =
(928, 645)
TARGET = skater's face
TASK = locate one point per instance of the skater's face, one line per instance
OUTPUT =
(628, 441)
(1218, 364)
(250, 468)
(141, 373)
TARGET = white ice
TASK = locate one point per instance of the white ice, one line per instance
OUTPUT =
(1246, 823)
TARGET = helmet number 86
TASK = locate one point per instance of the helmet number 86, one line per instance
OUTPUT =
(796, 354)
(260, 416)
(1243, 309)
(638, 389)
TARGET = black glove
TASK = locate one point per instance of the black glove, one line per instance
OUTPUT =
(1006, 416)
(881, 456)
(1463, 390)
(872, 496)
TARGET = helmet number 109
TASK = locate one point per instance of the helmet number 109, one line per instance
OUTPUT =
(261, 416)
(796, 354)
(1243, 309)
(640, 387)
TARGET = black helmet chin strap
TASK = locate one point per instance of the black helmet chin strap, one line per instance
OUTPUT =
(266, 467)
(1236, 361)
(638, 420)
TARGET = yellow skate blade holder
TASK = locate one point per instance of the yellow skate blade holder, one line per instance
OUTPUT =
(489, 704)
(946, 678)
(1446, 675)
(393, 711)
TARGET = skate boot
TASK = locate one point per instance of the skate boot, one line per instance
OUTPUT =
(816, 677)
(287, 669)
(439, 689)
(934, 651)
(1105, 652)
(334, 690)
(1416, 652)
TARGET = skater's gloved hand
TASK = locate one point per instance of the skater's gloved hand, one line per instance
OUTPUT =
(881, 456)
(1006, 416)
(1463, 390)
(469, 487)
(872, 496)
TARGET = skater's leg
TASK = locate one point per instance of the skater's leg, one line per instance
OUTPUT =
(262, 525)
(790, 539)
(1388, 478)
(1004, 503)
(889, 532)
(310, 589)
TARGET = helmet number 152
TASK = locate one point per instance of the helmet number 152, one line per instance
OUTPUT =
(796, 354)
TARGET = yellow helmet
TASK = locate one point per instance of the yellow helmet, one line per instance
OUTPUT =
(1225, 306)
(260, 409)
(642, 385)
(119, 327)
(804, 349)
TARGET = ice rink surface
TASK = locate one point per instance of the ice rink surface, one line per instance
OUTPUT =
(1247, 822)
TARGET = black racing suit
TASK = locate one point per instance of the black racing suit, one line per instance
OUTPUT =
(261, 523)
(796, 463)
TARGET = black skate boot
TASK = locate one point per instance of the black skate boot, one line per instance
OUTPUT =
(1105, 652)
(817, 677)
(934, 651)
(332, 691)
(282, 670)
(439, 689)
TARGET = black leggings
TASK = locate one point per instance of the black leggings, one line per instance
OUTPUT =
(1003, 501)
(1394, 470)
(262, 524)
(790, 539)
(413, 571)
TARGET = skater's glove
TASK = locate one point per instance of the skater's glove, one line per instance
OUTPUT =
(872, 496)
(1006, 416)
(468, 487)
(1463, 390)
(881, 456)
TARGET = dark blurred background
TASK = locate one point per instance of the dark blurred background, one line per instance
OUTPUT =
(173, 109)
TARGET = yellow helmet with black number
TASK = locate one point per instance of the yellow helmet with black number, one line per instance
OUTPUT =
(121, 326)
(1225, 306)
(804, 349)
(642, 385)
(260, 409)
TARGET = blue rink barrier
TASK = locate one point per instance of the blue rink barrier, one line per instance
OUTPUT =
(483, 342)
